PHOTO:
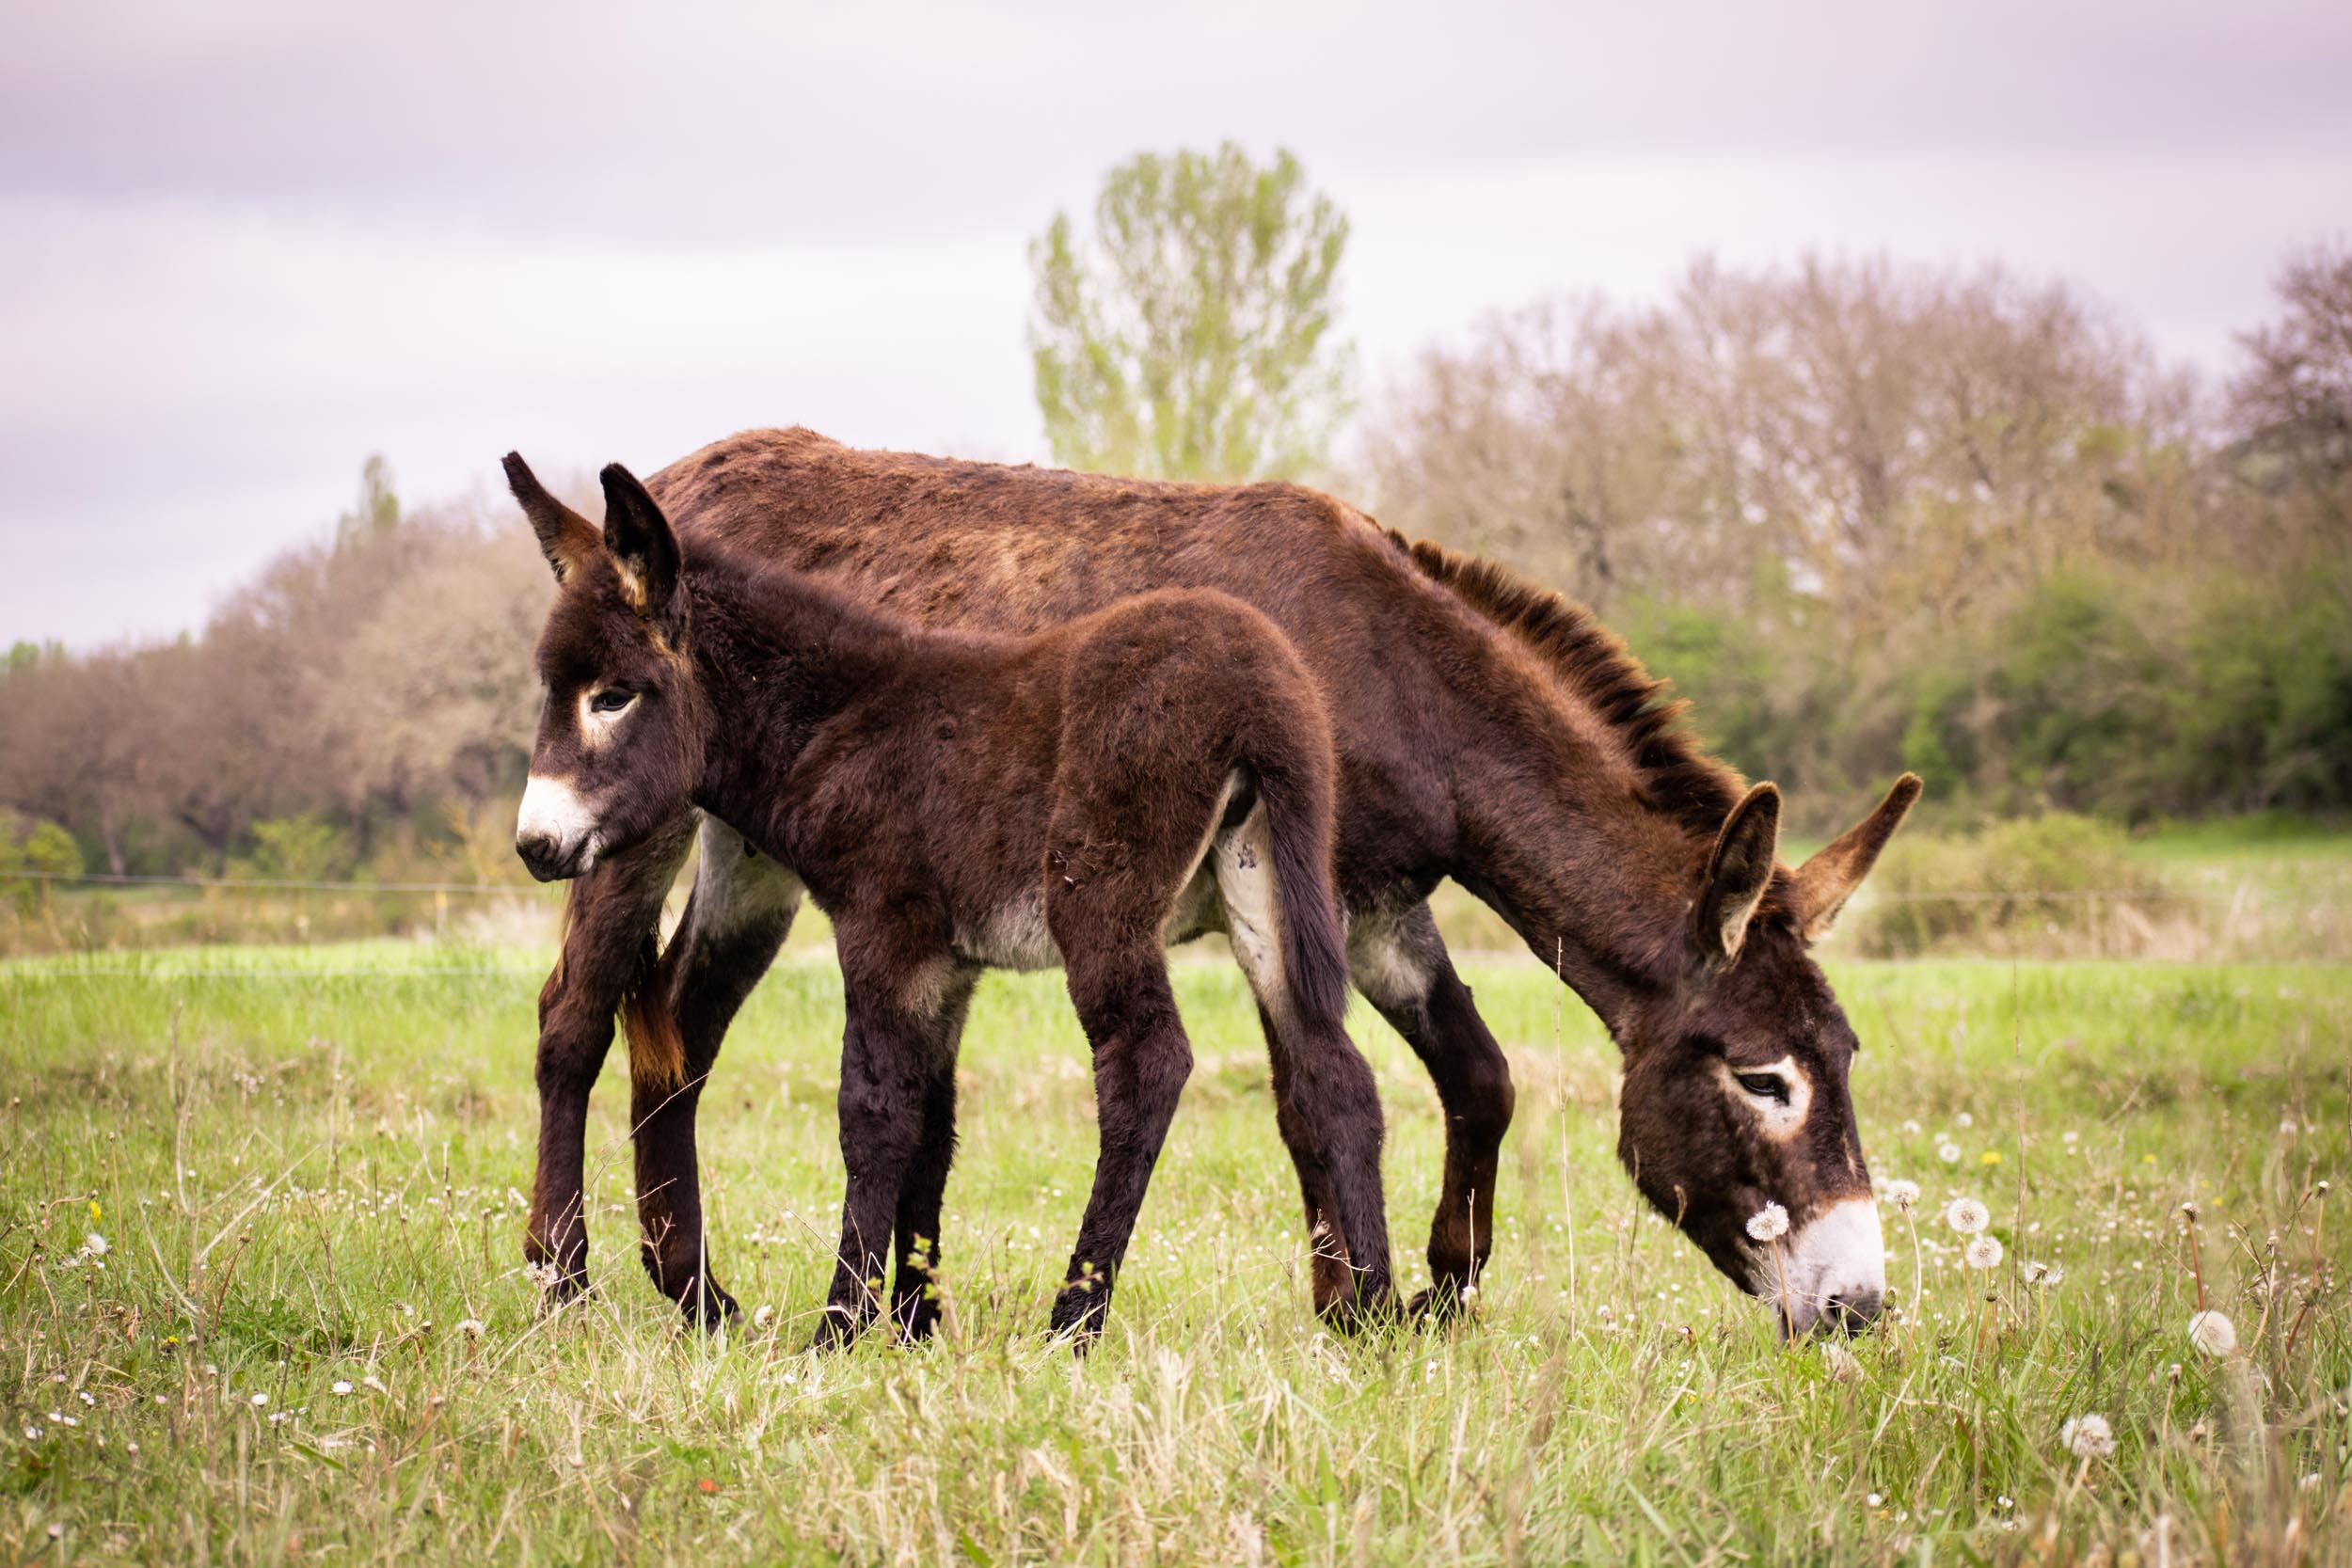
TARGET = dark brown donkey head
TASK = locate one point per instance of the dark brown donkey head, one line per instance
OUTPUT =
(1736, 1076)
(611, 660)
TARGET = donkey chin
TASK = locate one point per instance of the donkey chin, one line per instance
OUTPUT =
(1834, 1269)
(554, 832)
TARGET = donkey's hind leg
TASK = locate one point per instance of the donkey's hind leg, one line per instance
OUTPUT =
(913, 1292)
(898, 1042)
(1331, 1278)
(737, 917)
(1326, 1103)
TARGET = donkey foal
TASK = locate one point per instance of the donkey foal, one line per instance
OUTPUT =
(957, 802)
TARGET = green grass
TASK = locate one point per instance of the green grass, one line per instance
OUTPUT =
(305, 1175)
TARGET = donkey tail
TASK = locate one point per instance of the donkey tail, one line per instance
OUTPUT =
(657, 1052)
(1297, 803)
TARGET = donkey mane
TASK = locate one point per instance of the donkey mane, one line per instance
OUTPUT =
(1677, 776)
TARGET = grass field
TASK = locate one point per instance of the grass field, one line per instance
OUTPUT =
(304, 1166)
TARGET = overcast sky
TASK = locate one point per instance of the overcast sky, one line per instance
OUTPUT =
(242, 246)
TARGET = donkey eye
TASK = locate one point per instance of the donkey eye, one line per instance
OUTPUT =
(610, 700)
(1766, 1085)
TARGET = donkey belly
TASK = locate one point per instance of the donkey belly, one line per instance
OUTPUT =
(1012, 936)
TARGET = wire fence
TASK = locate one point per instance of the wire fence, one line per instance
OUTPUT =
(69, 918)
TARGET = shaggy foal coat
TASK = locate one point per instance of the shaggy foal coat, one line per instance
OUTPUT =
(958, 802)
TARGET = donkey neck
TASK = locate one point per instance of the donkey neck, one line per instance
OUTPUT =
(775, 655)
(1563, 836)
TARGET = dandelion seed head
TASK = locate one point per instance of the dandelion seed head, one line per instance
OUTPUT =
(2212, 1334)
(763, 1316)
(341, 1387)
(1984, 1252)
(95, 1243)
(2087, 1436)
(259, 1400)
(1769, 1223)
(1967, 1215)
(470, 1327)
(1902, 1193)
(1948, 1152)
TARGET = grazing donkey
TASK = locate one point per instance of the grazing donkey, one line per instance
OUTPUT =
(960, 802)
(1486, 729)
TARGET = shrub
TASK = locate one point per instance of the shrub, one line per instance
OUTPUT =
(2053, 884)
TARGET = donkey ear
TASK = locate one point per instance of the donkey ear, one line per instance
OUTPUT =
(638, 539)
(1828, 880)
(1738, 874)
(568, 539)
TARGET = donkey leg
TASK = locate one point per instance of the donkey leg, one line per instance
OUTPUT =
(608, 913)
(1400, 964)
(887, 1069)
(1331, 1278)
(914, 1296)
(1141, 1060)
(1326, 1102)
(737, 917)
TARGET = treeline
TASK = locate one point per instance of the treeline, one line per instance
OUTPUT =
(364, 707)
(1866, 516)
(1870, 516)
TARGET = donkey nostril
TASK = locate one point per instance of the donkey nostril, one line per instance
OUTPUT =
(1852, 1312)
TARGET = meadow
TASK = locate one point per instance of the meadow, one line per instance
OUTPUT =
(261, 1296)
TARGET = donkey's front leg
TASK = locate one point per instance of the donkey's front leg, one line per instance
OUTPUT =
(738, 916)
(608, 913)
(887, 1069)
(1141, 1060)
(1402, 967)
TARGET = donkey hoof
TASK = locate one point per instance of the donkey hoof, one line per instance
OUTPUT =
(917, 1318)
(1371, 1310)
(710, 1307)
(1441, 1306)
(1079, 1311)
(837, 1330)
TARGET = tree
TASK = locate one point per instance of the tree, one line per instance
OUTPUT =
(2294, 403)
(1191, 336)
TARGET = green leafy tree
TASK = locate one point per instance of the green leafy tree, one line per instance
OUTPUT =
(1191, 336)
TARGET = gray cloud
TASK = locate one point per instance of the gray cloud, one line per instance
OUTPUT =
(243, 247)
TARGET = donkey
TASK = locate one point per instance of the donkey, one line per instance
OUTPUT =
(960, 802)
(1486, 729)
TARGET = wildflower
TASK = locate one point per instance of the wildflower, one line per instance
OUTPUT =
(2212, 1334)
(763, 1317)
(341, 1387)
(1902, 1193)
(2088, 1437)
(470, 1328)
(1769, 1223)
(1948, 1152)
(96, 1213)
(1990, 1157)
(1967, 1215)
(1984, 1252)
